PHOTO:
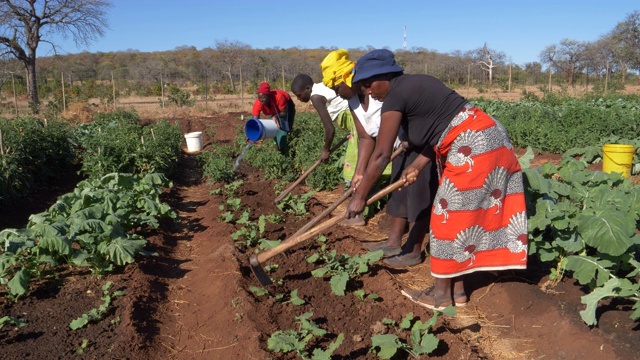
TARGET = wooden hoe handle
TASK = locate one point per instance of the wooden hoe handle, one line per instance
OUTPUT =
(306, 173)
(328, 210)
(297, 239)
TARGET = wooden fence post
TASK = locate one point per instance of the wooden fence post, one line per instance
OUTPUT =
(15, 99)
(64, 102)
(113, 86)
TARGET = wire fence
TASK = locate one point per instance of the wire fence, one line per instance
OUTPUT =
(57, 91)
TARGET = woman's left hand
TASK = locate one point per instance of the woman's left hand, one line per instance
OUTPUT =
(355, 181)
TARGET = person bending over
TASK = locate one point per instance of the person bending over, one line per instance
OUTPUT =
(478, 217)
(280, 107)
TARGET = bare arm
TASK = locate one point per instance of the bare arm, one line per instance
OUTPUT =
(389, 126)
(319, 102)
(366, 144)
(411, 172)
(279, 113)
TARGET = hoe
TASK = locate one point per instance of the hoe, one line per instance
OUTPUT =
(256, 260)
(306, 173)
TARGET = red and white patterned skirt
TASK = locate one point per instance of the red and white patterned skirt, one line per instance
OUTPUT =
(479, 218)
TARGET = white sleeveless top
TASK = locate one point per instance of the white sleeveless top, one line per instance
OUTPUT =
(335, 104)
(369, 119)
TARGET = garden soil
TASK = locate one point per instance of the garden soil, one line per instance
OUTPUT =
(195, 298)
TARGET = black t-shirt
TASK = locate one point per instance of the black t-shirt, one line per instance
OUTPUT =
(427, 107)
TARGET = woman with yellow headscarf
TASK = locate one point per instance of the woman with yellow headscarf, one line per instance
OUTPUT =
(363, 122)
(337, 69)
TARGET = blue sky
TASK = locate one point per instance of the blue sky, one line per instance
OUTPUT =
(520, 29)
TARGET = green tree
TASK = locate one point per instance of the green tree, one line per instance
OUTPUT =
(627, 35)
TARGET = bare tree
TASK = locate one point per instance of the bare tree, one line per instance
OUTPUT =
(566, 57)
(600, 59)
(24, 24)
(488, 59)
(231, 54)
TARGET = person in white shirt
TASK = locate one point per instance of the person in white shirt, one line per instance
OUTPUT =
(330, 107)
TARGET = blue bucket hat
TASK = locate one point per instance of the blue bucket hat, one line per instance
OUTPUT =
(376, 62)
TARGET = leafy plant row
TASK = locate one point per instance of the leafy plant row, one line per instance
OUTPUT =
(309, 340)
(305, 146)
(96, 226)
(586, 223)
(116, 143)
(411, 335)
(558, 125)
(594, 154)
(33, 151)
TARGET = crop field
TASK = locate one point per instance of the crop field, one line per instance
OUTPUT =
(126, 246)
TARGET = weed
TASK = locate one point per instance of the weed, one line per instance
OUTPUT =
(285, 341)
(342, 268)
(96, 314)
(80, 350)
(295, 204)
(11, 320)
(258, 291)
(236, 302)
(421, 341)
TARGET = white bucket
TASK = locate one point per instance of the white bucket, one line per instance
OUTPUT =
(258, 129)
(194, 141)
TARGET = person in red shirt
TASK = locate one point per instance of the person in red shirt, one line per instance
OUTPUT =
(280, 107)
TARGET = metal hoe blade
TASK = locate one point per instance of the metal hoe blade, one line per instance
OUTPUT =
(258, 271)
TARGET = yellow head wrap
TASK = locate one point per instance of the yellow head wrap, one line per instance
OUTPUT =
(337, 68)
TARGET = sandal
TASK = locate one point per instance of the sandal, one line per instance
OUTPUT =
(402, 261)
(388, 250)
(438, 303)
(411, 293)
(460, 299)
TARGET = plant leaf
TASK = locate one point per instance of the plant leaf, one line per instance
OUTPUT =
(586, 268)
(79, 322)
(610, 232)
(525, 159)
(19, 284)
(120, 250)
(295, 300)
(610, 288)
(339, 283)
(319, 354)
(388, 344)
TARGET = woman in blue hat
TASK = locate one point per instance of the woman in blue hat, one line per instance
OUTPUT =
(478, 216)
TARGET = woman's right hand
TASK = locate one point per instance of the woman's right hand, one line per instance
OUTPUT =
(325, 155)
(355, 207)
(409, 175)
